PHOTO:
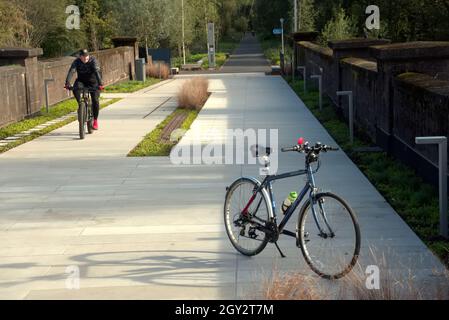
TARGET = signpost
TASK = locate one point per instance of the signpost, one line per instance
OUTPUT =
(282, 34)
(211, 45)
(277, 32)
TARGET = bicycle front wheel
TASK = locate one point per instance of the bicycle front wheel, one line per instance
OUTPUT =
(82, 120)
(243, 230)
(334, 252)
(90, 121)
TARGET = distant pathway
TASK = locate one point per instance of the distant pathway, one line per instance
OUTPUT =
(248, 57)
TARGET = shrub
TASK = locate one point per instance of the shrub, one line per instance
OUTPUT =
(193, 93)
(339, 28)
(292, 286)
(394, 284)
(158, 69)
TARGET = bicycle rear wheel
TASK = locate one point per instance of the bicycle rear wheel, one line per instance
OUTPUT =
(241, 230)
(82, 120)
(331, 256)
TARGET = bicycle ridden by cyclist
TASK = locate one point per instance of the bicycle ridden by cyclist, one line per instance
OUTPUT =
(88, 72)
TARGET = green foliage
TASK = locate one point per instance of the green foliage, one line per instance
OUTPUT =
(41, 23)
(400, 20)
(55, 112)
(272, 47)
(266, 15)
(152, 146)
(340, 27)
(130, 86)
(241, 24)
(13, 24)
(307, 15)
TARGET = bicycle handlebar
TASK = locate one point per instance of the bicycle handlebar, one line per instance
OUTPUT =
(295, 148)
(89, 89)
(305, 148)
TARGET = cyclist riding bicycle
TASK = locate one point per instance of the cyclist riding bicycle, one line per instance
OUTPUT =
(88, 71)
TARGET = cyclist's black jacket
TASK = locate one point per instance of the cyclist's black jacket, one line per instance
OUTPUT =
(88, 73)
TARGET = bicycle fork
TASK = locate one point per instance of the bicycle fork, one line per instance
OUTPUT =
(313, 202)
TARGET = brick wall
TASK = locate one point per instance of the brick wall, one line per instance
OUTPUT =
(12, 93)
(401, 91)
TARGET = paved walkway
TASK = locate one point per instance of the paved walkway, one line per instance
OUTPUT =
(143, 228)
(122, 125)
(248, 57)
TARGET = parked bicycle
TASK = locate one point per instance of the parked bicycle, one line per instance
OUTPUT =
(327, 231)
(85, 113)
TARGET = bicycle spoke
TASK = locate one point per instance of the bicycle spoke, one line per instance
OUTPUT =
(245, 234)
(330, 255)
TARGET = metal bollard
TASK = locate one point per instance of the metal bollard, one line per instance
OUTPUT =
(140, 70)
(351, 113)
(46, 82)
(320, 78)
(442, 164)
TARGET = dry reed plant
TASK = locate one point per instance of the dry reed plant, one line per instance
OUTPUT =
(193, 93)
(158, 70)
(394, 284)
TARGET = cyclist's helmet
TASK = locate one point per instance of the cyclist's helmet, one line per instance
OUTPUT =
(84, 52)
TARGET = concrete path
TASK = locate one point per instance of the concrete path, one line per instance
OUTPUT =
(248, 57)
(143, 228)
(122, 126)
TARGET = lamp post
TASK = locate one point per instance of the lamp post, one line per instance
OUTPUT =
(282, 34)
(183, 34)
(295, 10)
(295, 29)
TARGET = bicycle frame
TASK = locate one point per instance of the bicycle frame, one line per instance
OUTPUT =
(85, 95)
(308, 188)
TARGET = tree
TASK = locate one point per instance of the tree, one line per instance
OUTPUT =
(41, 16)
(13, 25)
(97, 22)
(268, 13)
(340, 27)
(307, 15)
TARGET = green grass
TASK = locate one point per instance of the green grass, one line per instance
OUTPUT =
(152, 146)
(225, 46)
(59, 110)
(55, 112)
(131, 86)
(414, 200)
(220, 59)
(228, 45)
(272, 47)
